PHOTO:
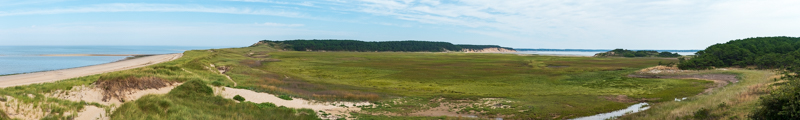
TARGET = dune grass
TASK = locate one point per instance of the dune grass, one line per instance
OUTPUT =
(735, 101)
(195, 100)
(54, 108)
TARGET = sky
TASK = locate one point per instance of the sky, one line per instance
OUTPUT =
(557, 24)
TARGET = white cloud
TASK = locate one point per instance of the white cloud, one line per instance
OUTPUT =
(611, 23)
(145, 33)
(280, 24)
(137, 7)
(304, 3)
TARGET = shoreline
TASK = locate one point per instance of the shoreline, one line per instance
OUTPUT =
(71, 55)
(10, 80)
(134, 56)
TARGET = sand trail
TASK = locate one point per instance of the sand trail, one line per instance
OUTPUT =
(336, 109)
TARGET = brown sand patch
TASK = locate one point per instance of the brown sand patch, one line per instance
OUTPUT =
(119, 88)
(720, 80)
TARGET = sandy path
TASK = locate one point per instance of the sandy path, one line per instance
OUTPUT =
(51, 76)
(334, 108)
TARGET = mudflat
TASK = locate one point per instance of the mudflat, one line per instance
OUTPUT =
(51, 76)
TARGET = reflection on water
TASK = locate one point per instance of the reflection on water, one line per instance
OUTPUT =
(632, 109)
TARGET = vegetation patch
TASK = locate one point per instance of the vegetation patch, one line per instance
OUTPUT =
(119, 86)
(285, 97)
(194, 100)
(734, 101)
(640, 53)
(238, 98)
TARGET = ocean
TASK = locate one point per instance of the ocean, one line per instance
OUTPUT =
(25, 59)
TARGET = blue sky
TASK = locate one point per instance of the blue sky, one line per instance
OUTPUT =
(584, 24)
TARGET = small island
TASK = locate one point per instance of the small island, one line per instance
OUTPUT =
(639, 53)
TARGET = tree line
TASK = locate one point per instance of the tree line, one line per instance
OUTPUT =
(761, 52)
(639, 53)
(780, 53)
(362, 46)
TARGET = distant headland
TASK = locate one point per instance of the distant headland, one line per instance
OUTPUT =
(381, 46)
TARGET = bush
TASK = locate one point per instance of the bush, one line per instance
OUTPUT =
(702, 114)
(238, 98)
(193, 88)
(285, 97)
(266, 105)
(780, 104)
(216, 83)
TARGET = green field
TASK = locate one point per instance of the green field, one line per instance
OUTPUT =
(540, 86)
(529, 86)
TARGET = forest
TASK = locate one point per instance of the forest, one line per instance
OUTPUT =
(760, 52)
(362, 46)
(639, 53)
(778, 53)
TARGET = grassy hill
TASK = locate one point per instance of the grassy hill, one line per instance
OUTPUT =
(361, 46)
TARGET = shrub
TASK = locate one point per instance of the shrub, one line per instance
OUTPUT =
(238, 98)
(285, 97)
(193, 88)
(702, 114)
(780, 104)
(216, 83)
(266, 105)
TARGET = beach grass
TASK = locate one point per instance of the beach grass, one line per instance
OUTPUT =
(57, 107)
(195, 100)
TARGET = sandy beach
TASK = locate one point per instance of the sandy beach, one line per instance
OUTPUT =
(91, 54)
(51, 76)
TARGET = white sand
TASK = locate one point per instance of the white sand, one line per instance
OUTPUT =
(327, 107)
(90, 54)
(51, 76)
(92, 113)
(94, 94)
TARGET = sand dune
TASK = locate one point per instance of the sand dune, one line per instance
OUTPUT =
(51, 76)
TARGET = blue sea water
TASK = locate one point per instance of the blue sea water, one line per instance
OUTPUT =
(24, 59)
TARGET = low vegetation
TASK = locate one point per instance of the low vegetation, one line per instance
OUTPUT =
(195, 100)
(354, 45)
(532, 87)
(50, 108)
(779, 53)
(734, 101)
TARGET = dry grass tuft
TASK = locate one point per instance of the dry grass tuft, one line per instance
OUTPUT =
(660, 69)
(119, 88)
